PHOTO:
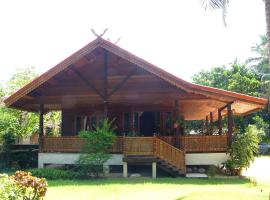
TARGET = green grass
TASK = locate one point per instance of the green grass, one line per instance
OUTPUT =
(159, 189)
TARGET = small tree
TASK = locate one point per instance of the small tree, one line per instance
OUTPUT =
(8, 141)
(243, 150)
(95, 152)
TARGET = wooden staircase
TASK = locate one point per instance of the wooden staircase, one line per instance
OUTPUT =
(169, 169)
(169, 158)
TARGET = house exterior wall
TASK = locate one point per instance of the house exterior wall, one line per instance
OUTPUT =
(116, 159)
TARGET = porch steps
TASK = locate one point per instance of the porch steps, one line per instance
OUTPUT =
(169, 168)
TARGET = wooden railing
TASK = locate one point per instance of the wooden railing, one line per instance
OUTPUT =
(200, 143)
(138, 145)
(169, 139)
(204, 143)
(73, 144)
(171, 154)
(62, 144)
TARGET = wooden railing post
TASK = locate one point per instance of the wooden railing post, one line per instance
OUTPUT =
(207, 125)
(230, 123)
(211, 124)
(124, 143)
(219, 122)
(41, 126)
(154, 143)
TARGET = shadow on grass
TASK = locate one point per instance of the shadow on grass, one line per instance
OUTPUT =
(133, 181)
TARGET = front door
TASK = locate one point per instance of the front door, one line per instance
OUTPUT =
(147, 124)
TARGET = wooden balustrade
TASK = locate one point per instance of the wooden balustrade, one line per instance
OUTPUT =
(138, 146)
(62, 144)
(200, 143)
(74, 144)
(204, 143)
(168, 139)
(171, 154)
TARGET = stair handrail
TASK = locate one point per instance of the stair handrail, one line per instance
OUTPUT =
(170, 154)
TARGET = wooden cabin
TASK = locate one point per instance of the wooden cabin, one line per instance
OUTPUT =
(103, 80)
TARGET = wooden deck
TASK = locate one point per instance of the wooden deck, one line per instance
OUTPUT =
(141, 145)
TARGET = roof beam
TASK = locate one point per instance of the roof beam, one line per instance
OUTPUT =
(87, 82)
(119, 85)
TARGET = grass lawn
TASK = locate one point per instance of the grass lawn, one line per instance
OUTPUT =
(159, 189)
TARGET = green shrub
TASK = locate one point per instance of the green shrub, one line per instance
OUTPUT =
(52, 174)
(8, 189)
(32, 188)
(212, 170)
(95, 151)
(22, 185)
(243, 150)
(7, 157)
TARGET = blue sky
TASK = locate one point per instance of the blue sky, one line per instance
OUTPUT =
(178, 36)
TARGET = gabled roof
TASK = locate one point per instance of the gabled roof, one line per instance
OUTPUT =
(211, 92)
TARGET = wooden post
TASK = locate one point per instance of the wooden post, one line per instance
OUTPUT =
(132, 121)
(230, 123)
(105, 109)
(177, 134)
(211, 124)
(161, 123)
(105, 84)
(207, 125)
(41, 126)
(219, 122)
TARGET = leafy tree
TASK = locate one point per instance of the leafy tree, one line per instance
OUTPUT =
(238, 78)
(95, 151)
(22, 123)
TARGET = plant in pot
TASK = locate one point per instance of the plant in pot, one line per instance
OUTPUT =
(178, 121)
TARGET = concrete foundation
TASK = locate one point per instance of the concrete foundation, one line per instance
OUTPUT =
(206, 158)
(71, 158)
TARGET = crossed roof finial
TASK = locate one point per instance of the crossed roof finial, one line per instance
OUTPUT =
(94, 32)
(102, 34)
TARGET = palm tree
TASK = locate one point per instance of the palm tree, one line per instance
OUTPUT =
(259, 62)
(222, 4)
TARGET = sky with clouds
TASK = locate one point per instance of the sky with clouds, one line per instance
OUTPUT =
(178, 36)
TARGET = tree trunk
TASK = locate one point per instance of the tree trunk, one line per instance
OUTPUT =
(267, 14)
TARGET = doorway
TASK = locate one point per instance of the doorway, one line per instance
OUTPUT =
(147, 124)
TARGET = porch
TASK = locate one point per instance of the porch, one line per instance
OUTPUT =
(158, 151)
(141, 145)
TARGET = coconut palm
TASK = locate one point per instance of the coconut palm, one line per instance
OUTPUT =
(259, 62)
